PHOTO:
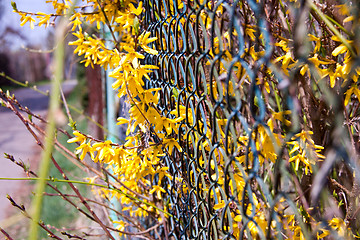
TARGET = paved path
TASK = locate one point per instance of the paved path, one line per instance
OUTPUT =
(17, 141)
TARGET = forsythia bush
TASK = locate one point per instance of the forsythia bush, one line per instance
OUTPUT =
(244, 148)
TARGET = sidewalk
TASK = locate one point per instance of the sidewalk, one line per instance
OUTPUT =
(17, 141)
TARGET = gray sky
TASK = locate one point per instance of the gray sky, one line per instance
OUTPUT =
(36, 36)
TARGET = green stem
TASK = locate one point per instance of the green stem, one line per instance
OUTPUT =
(54, 104)
(89, 184)
(331, 27)
(284, 12)
(277, 97)
(26, 84)
(338, 24)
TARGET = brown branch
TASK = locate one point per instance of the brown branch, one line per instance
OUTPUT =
(301, 192)
(71, 235)
(351, 136)
(126, 187)
(28, 172)
(42, 132)
(40, 223)
(152, 130)
(57, 143)
(137, 225)
(74, 188)
(132, 221)
(83, 201)
(71, 154)
(66, 105)
(7, 236)
(25, 109)
(109, 26)
(14, 101)
(349, 193)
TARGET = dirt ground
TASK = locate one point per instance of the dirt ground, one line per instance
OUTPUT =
(17, 141)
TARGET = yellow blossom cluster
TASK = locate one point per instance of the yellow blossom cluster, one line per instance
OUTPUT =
(227, 150)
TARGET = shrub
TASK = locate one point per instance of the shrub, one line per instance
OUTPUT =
(243, 116)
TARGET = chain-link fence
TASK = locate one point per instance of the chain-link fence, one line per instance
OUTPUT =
(251, 163)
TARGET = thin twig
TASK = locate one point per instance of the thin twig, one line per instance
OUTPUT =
(66, 106)
(9, 105)
(7, 236)
(126, 187)
(349, 193)
(152, 130)
(40, 223)
(109, 26)
(132, 221)
(26, 84)
(331, 27)
(29, 172)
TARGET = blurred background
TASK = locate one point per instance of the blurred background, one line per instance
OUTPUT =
(15, 60)
(26, 55)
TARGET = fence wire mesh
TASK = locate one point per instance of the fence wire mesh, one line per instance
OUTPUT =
(236, 174)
